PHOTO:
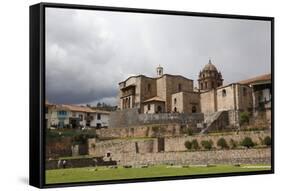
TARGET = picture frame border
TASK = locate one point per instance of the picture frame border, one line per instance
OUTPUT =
(37, 130)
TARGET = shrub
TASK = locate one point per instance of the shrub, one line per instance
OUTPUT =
(247, 142)
(81, 139)
(207, 144)
(189, 131)
(195, 144)
(233, 144)
(188, 145)
(244, 117)
(222, 143)
(267, 141)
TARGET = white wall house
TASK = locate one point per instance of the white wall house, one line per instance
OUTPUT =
(72, 116)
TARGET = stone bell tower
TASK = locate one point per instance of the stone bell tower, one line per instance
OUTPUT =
(159, 71)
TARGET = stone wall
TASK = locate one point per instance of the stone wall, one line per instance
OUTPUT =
(157, 130)
(131, 117)
(101, 148)
(238, 156)
(208, 101)
(177, 143)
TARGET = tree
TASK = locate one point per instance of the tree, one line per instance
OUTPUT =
(188, 145)
(247, 142)
(244, 117)
(267, 141)
(207, 144)
(222, 143)
(195, 144)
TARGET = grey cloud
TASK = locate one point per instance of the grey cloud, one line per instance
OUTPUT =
(89, 52)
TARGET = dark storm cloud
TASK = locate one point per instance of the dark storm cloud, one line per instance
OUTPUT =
(89, 52)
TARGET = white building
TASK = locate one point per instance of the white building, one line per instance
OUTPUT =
(73, 116)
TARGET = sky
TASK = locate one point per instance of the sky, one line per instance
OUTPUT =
(89, 52)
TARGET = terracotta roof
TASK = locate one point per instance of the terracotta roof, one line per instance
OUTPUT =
(261, 78)
(78, 108)
(156, 98)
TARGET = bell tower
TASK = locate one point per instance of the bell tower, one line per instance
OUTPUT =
(159, 71)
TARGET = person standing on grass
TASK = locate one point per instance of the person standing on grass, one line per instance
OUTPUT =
(59, 163)
(64, 163)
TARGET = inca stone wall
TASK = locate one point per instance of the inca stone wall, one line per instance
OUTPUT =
(116, 147)
(238, 156)
(131, 117)
(162, 130)
(177, 143)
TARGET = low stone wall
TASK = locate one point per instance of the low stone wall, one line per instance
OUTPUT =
(163, 130)
(177, 143)
(121, 146)
(238, 156)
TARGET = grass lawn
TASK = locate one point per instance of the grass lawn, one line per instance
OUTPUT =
(103, 173)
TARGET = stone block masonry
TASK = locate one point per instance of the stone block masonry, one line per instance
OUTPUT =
(156, 130)
(227, 157)
(131, 117)
(100, 148)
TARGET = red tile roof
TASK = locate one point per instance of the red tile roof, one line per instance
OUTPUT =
(261, 78)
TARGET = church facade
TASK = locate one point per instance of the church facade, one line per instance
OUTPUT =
(168, 93)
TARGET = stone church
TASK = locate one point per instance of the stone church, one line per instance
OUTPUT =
(166, 93)
(175, 93)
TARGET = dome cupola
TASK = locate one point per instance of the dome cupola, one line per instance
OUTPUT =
(209, 77)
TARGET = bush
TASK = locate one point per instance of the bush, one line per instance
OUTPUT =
(188, 145)
(233, 144)
(247, 142)
(207, 144)
(81, 139)
(222, 143)
(244, 117)
(189, 131)
(267, 141)
(195, 144)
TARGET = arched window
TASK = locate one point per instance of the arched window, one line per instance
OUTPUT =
(193, 109)
(175, 100)
(159, 109)
(175, 109)
(223, 93)
(148, 107)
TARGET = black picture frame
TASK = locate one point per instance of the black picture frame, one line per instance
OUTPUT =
(37, 92)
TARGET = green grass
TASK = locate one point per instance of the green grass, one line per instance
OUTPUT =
(103, 173)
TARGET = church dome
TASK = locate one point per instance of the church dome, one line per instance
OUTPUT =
(210, 67)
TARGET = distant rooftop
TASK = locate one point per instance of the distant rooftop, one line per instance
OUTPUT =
(257, 79)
